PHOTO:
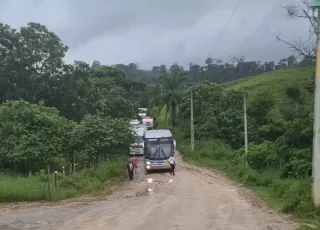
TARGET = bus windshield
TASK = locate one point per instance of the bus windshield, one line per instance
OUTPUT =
(158, 151)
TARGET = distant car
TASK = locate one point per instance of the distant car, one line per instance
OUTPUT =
(134, 122)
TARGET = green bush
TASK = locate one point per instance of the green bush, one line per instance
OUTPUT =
(32, 136)
(299, 164)
(97, 136)
(262, 156)
(89, 179)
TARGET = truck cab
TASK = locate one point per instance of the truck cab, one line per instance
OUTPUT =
(148, 121)
(134, 122)
(143, 112)
(137, 147)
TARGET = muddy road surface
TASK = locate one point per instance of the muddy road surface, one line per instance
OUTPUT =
(195, 198)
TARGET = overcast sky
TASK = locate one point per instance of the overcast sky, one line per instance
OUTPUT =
(153, 32)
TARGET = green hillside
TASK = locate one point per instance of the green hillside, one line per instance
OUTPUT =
(275, 81)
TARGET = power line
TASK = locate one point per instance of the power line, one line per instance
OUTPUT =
(227, 24)
(264, 21)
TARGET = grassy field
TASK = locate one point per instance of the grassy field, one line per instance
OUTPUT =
(274, 81)
(34, 188)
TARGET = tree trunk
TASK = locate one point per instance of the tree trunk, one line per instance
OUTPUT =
(167, 115)
(173, 112)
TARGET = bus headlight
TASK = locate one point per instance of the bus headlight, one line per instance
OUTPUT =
(148, 167)
(148, 163)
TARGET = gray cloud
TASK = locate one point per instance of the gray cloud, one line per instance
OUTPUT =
(107, 18)
(155, 32)
(3, 4)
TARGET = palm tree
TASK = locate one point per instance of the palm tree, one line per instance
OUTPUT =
(172, 85)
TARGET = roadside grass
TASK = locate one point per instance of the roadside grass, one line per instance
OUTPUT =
(96, 181)
(289, 196)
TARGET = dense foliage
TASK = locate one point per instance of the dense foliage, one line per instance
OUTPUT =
(279, 138)
(90, 106)
(32, 136)
(101, 137)
(215, 70)
(217, 113)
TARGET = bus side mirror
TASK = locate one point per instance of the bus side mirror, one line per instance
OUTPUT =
(174, 143)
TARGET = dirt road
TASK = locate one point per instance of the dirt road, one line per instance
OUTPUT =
(195, 198)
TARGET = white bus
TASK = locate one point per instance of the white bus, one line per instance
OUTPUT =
(159, 146)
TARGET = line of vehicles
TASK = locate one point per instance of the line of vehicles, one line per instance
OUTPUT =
(156, 145)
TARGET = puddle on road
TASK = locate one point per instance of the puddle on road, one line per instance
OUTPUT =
(150, 180)
(150, 191)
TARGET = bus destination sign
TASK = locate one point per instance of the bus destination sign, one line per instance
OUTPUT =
(163, 139)
(152, 139)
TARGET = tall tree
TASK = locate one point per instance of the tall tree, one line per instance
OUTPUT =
(95, 64)
(173, 83)
(29, 58)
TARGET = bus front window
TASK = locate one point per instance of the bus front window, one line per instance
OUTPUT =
(166, 150)
(158, 152)
(152, 151)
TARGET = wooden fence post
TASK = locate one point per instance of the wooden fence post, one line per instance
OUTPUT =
(48, 178)
(63, 173)
(74, 163)
(55, 179)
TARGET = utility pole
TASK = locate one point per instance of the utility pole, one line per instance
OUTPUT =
(245, 126)
(74, 163)
(192, 127)
(315, 4)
